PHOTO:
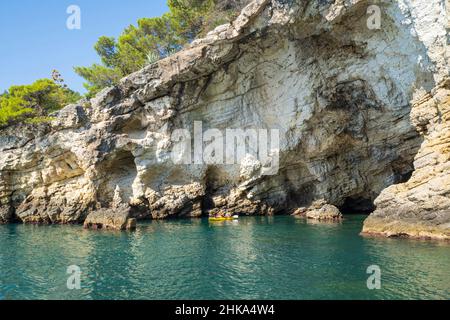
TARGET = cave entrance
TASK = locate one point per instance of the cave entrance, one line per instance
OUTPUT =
(118, 171)
(217, 183)
(357, 205)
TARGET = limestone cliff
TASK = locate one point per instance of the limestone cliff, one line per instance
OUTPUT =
(421, 206)
(346, 98)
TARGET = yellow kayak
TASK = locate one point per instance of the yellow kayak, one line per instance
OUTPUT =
(223, 218)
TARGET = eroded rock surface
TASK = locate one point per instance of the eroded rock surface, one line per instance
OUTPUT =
(117, 218)
(421, 206)
(320, 210)
(339, 93)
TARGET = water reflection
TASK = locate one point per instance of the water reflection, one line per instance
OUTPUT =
(252, 258)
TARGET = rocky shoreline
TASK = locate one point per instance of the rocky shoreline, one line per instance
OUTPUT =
(363, 117)
(420, 207)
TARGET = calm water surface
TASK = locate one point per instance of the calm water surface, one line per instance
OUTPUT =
(255, 258)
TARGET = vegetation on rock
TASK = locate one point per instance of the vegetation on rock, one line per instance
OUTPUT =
(155, 38)
(34, 103)
(138, 46)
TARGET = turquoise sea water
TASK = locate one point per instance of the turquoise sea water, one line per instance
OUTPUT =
(254, 258)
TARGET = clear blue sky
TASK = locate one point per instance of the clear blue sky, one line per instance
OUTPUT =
(35, 40)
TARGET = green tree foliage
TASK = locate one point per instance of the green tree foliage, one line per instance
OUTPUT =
(35, 102)
(155, 38)
(98, 77)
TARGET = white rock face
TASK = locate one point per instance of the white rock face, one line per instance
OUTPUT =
(421, 206)
(338, 92)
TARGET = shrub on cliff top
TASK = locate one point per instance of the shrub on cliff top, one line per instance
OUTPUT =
(149, 41)
(155, 38)
(33, 103)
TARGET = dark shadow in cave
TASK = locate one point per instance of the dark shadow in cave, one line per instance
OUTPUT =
(357, 205)
(118, 170)
(215, 179)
